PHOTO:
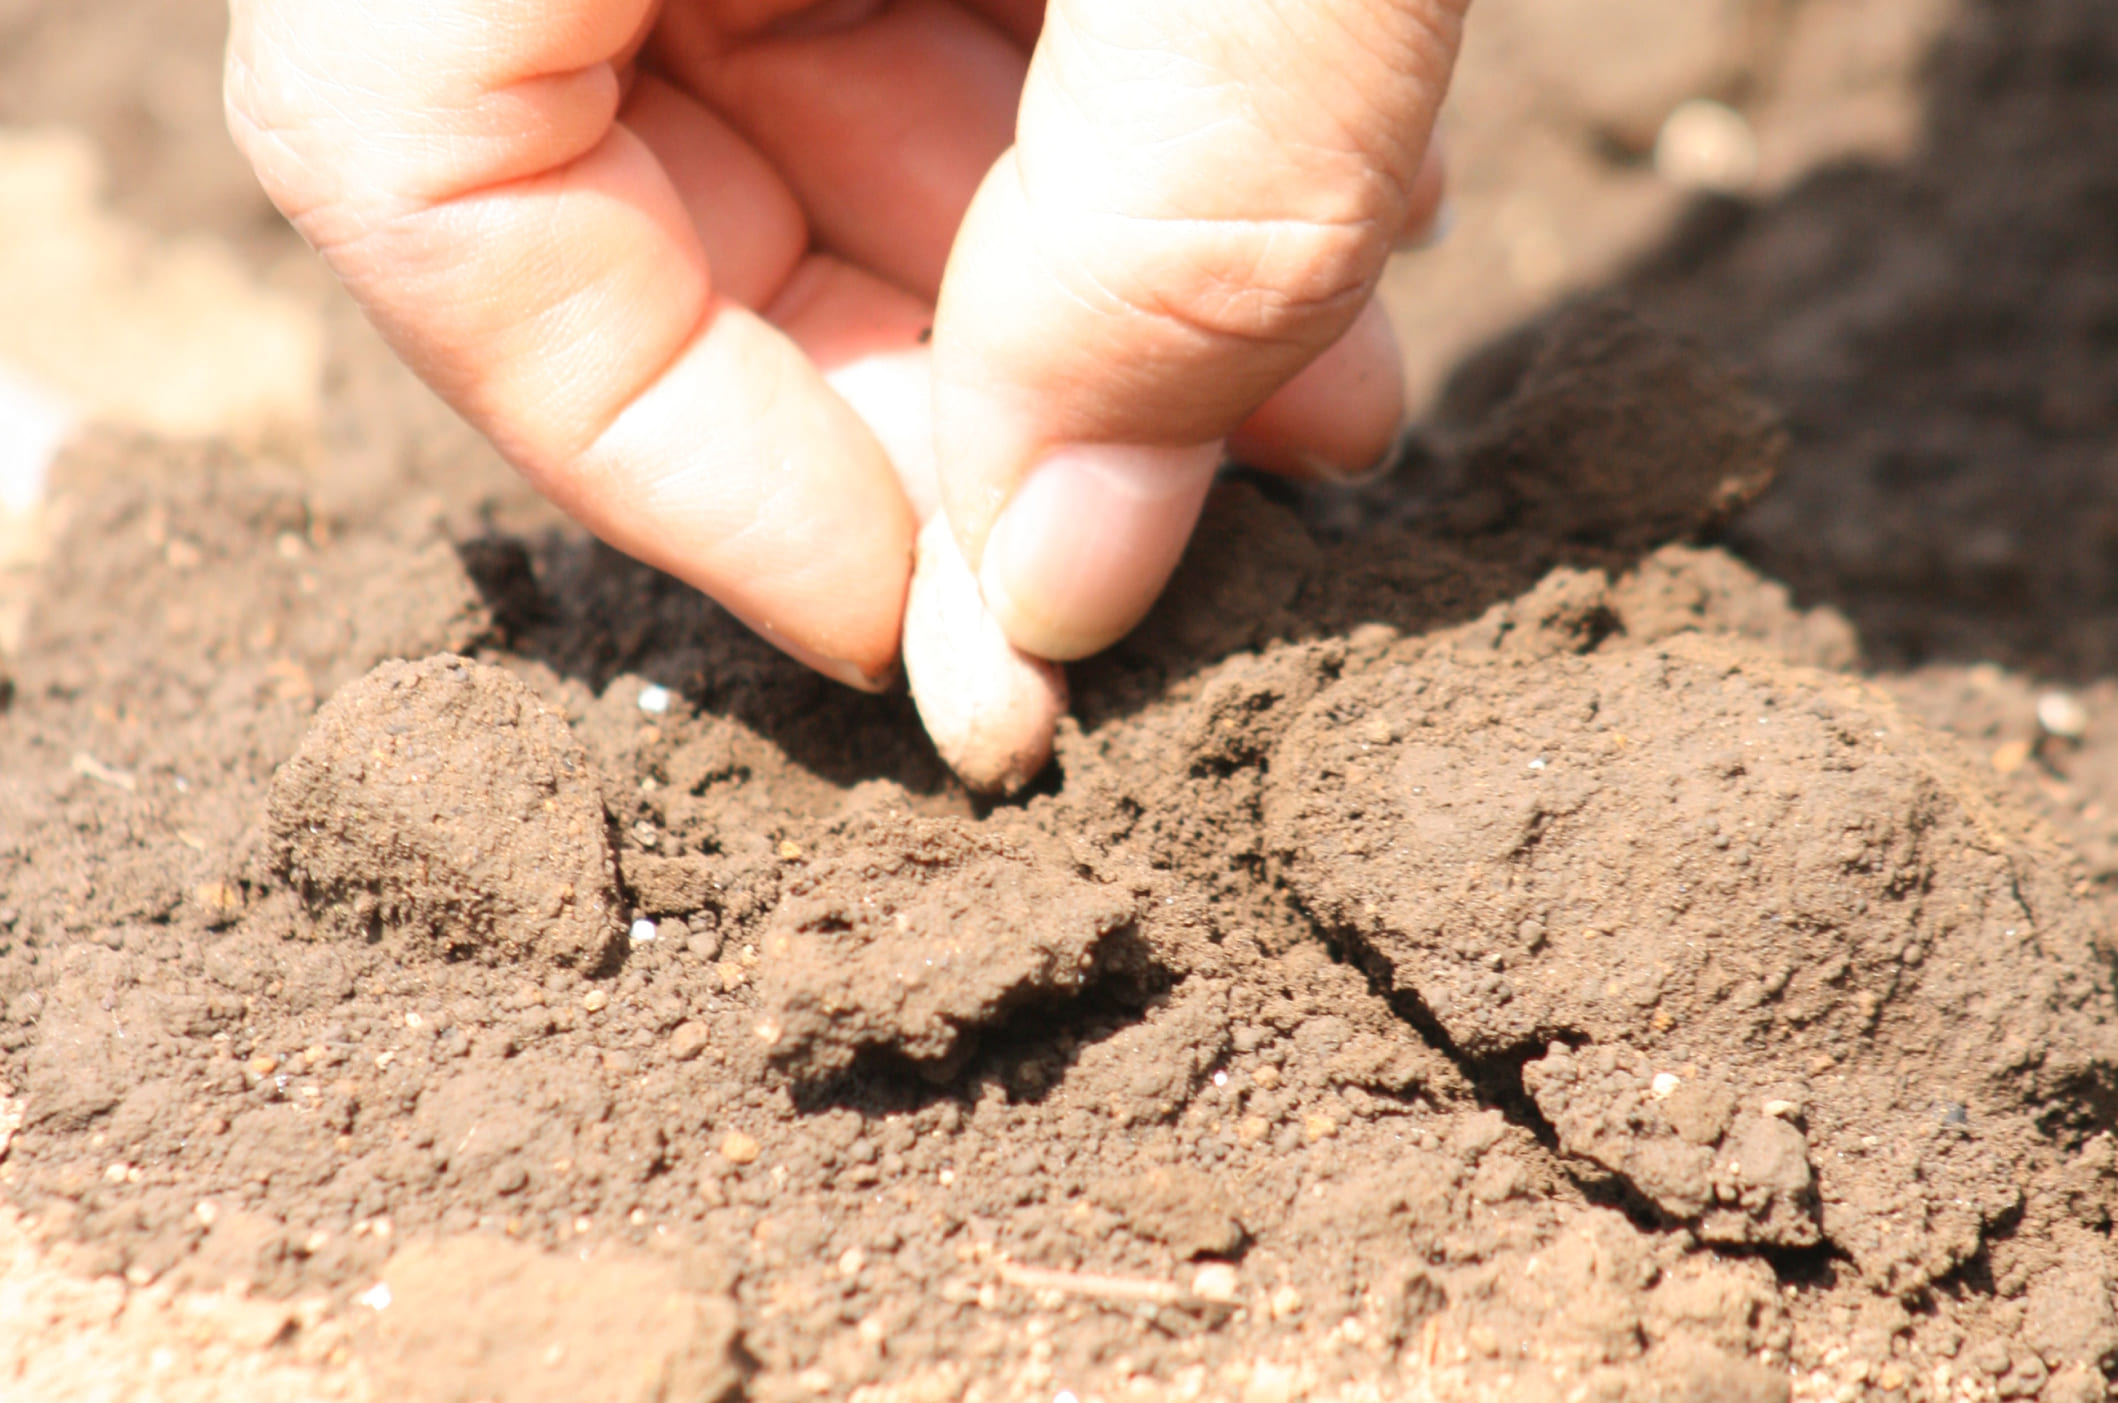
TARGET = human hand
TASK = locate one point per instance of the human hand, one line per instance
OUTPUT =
(679, 260)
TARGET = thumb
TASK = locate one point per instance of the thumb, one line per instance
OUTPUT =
(1201, 196)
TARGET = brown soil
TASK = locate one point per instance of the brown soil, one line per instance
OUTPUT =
(1478, 938)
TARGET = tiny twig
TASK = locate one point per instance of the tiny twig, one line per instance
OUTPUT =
(89, 765)
(1109, 1288)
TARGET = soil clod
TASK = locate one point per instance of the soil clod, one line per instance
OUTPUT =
(444, 800)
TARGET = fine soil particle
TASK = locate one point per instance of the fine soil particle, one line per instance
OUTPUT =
(1494, 961)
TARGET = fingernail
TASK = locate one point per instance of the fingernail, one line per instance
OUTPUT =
(1436, 231)
(837, 669)
(1339, 475)
(1088, 540)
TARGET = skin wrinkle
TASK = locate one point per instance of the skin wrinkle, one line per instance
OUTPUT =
(1280, 309)
(521, 116)
(1356, 194)
(493, 48)
(1411, 65)
(328, 219)
(475, 392)
(1038, 196)
(507, 153)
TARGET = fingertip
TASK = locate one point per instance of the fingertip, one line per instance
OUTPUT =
(874, 678)
(1339, 418)
(1085, 544)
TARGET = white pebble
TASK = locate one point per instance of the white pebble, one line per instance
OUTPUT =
(376, 1297)
(654, 699)
(1780, 1108)
(2062, 715)
(1707, 145)
(34, 425)
(1216, 1281)
(1664, 1084)
(989, 707)
(643, 930)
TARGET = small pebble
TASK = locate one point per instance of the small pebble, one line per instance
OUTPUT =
(1216, 1281)
(643, 931)
(738, 1148)
(1663, 1085)
(2063, 715)
(596, 1000)
(1779, 1108)
(688, 1041)
(654, 699)
(2010, 756)
(1707, 145)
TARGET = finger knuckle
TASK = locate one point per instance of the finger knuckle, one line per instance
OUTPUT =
(1249, 280)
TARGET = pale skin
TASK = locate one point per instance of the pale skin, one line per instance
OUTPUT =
(752, 288)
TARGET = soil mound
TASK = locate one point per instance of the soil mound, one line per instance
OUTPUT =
(1732, 885)
(442, 799)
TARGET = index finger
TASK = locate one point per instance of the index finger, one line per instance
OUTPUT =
(464, 169)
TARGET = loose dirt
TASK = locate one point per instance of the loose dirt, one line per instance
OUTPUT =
(1479, 938)
(1555, 975)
